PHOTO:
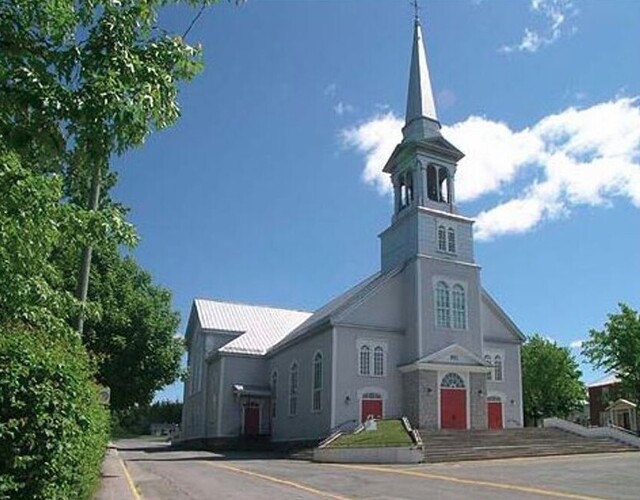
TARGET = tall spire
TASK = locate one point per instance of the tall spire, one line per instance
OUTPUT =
(421, 119)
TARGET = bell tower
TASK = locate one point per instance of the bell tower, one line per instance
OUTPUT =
(422, 169)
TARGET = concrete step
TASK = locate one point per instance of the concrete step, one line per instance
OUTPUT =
(476, 445)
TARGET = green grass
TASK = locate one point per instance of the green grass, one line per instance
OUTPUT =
(389, 433)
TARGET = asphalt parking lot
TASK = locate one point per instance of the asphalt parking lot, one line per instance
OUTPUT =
(157, 472)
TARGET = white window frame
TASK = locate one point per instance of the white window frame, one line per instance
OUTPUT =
(294, 391)
(492, 353)
(448, 309)
(455, 312)
(446, 238)
(443, 307)
(360, 351)
(274, 394)
(441, 236)
(371, 345)
(317, 390)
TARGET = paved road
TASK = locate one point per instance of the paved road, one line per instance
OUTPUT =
(161, 473)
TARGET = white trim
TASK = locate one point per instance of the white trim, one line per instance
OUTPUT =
(273, 401)
(467, 388)
(493, 353)
(450, 283)
(334, 371)
(503, 400)
(289, 387)
(313, 374)
(367, 390)
(372, 344)
(420, 306)
(520, 402)
(443, 367)
(220, 398)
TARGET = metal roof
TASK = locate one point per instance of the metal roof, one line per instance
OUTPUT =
(260, 327)
(612, 378)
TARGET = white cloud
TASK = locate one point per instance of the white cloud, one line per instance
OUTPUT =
(576, 157)
(554, 14)
(341, 108)
(330, 90)
(576, 344)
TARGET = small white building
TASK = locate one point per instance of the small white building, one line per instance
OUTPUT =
(419, 338)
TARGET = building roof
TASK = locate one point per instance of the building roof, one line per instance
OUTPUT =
(259, 327)
(612, 378)
(420, 103)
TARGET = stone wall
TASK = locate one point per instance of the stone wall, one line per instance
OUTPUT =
(478, 400)
(420, 403)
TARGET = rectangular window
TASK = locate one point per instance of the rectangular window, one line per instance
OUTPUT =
(378, 361)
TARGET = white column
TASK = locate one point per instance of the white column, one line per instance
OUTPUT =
(396, 194)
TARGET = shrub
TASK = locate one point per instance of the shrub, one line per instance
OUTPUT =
(53, 430)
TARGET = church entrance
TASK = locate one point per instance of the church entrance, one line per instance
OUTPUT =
(371, 406)
(453, 402)
(494, 412)
(251, 419)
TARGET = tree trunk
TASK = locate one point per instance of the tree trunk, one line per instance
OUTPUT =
(85, 266)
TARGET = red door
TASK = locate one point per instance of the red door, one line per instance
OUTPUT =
(495, 414)
(251, 420)
(453, 408)
(371, 407)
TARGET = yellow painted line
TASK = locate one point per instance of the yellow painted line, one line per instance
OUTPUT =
(472, 464)
(132, 485)
(473, 482)
(277, 480)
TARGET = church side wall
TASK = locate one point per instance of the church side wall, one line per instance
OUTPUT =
(510, 389)
(193, 413)
(242, 370)
(350, 385)
(306, 423)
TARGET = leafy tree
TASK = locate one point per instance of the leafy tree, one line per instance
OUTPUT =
(132, 333)
(83, 81)
(616, 349)
(551, 383)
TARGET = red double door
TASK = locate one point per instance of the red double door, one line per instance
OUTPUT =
(453, 409)
(371, 407)
(494, 411)
(251, 420)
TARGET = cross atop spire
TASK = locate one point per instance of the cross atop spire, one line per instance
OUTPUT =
(421, 118)
(416, 8)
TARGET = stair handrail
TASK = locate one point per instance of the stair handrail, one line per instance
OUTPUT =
(338, 430)
(621, 429)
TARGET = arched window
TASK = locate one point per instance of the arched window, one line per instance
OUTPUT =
(316, 398)
(365, 363)
(443, 187)
(451, 244)
(293, 389)
(274, 392)
(378, 361)
(489, 361)
(443, 313)
(452, 381)
(432, 183)
(459, 308)
(442, 239)
(497, 368)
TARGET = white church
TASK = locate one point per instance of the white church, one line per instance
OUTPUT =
(419, 338)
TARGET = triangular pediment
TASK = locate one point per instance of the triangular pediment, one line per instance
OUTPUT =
(454, 354)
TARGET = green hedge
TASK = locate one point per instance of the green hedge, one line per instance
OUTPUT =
(53, 430)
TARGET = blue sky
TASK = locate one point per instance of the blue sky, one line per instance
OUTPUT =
(269, 191)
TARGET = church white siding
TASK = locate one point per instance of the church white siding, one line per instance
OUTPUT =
(350, 384)
(306, 423)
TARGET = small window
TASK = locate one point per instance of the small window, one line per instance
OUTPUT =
(451, 243)
(378, 361)
(443, 313)
(365, 362)
(452, 381)
(459, 308)
(497, 368)
(274, 393)
(489, 361)
(293, 389)
(316, 404)
(442, 239)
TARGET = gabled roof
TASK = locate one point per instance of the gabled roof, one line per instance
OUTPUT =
(335, 306)
(610, 379)
(489, 300)
(259, 327)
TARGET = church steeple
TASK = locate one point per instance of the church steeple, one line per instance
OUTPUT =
(421, 120)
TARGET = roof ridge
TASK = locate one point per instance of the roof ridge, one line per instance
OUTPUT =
(262, 306)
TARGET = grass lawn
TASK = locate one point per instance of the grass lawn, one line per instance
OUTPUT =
(389, 433)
